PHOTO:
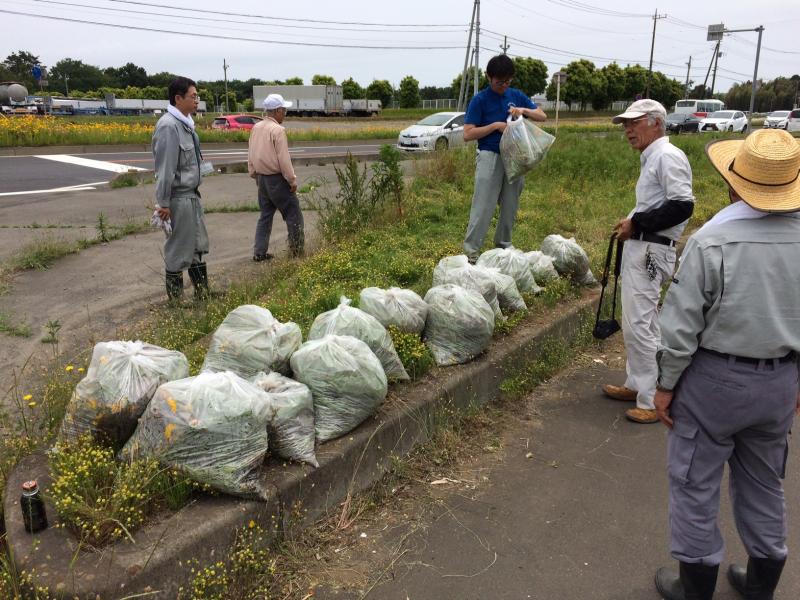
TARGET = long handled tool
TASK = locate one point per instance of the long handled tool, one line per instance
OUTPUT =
(607, 327)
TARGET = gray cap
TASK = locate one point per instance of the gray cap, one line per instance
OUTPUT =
(641, 108)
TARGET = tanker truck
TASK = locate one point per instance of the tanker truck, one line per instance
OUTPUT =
(14, 99)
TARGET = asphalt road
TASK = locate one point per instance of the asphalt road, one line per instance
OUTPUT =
(39, 174)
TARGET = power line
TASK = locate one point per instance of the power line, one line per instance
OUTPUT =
(226, 37)
(538, 14)
(256, 16)
(749, 43)
(588, 8)
(250, 22)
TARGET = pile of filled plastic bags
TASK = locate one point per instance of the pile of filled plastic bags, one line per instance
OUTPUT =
(348, 320)
(460, 324)
(541, 266)
(513, 263)
(212, 427)
(346, 379)
(120, 381)
(251, 340)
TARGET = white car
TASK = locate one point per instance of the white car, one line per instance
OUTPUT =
(793, 120)
(724, 120)
(777, 119)
(438, 131)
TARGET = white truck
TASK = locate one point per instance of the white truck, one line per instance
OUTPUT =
(316, 100)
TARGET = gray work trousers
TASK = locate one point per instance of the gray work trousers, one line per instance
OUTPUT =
(189, 239)
(274, 194)
(726, 410)
(491, 188)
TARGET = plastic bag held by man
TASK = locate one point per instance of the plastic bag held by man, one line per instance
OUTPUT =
(121, 379)
(348, 320)
(456, 270)
(569, 258)
(212, 427)
(346, 379)
(396, 306)
(523, 145)
(251, 340)
(291, 426)
(460, 324)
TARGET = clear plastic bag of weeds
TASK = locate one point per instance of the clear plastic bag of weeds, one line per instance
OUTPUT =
(396, 306)
(120, 381)
(212, 427)
(348, 320)
(541, 266)
(291, 427)
(569, 259)
(456, 270)
(523, 145)
(512, 262)
(251, 340)
(507, 293)
(460, 324)
(346, 379)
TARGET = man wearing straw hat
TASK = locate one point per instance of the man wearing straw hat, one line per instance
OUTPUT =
(664, 203)
(728, 371)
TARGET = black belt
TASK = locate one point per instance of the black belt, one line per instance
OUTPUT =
(749, 360)
(654, 238)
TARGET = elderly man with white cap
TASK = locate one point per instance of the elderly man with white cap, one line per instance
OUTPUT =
(728, 370)
(664, 203)
(269, 163)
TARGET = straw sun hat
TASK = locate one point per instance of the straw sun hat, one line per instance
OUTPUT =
(763, 169)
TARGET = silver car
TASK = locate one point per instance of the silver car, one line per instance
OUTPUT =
(777, 119)
(438, 131)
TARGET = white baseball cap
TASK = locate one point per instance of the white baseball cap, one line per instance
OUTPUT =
(641, 108)
(274, 101)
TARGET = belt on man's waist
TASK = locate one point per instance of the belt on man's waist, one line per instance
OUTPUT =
(654, 238)
(749, 360)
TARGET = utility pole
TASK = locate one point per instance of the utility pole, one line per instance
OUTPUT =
(477, 47)
(710, 64)
(225, 66)
(504, 46)
(656, 17)
(66, 83)
(717, 54)
(462, 89)
(686, 86)
(760, 30)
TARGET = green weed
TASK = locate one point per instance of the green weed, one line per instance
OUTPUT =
(124, 180)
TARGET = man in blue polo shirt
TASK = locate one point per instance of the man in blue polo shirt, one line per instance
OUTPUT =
(485, 121)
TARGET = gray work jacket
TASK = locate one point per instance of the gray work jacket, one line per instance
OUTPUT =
(737, 291)
(176, 149)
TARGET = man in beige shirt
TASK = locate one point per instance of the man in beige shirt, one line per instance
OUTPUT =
(269, 163)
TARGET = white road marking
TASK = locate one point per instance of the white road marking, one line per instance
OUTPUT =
(72, 188)
(87, 162)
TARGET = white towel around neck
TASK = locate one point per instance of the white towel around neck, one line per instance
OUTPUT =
(186, 120)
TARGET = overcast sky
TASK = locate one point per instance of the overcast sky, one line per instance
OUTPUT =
(555, 31)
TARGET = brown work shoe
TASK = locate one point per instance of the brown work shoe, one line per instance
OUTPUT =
(620, 392)
(641, 415)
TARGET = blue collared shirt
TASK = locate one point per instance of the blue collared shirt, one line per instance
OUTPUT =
(489, 107)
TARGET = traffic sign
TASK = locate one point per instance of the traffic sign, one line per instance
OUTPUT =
(37, 72)
(715, 32)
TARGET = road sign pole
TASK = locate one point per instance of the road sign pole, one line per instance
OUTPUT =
(760, 30)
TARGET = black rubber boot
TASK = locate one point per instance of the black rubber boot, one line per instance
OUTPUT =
(199, 276)
(695, 582)
(174, 282)
(759, 580)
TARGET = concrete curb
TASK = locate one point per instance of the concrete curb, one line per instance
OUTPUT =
(205, 529)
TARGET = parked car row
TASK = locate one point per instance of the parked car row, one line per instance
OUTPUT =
(783, 119)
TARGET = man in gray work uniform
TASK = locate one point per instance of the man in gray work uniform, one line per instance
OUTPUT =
(728, 372)
(176, 149)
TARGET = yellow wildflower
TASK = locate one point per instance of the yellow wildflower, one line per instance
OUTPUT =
(69, 368)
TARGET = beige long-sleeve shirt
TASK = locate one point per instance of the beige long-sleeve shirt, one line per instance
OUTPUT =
(268, 151)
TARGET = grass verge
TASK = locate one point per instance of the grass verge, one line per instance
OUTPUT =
(581, 190)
